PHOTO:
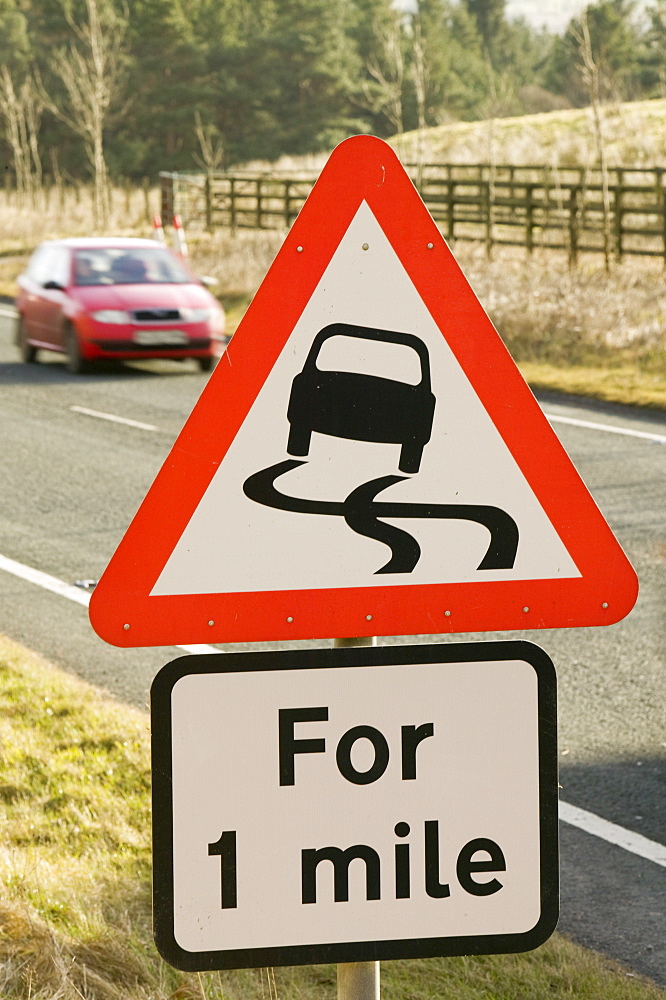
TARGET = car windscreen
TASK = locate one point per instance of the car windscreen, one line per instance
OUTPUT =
(123, 266)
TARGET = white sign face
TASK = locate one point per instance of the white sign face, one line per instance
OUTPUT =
(464, 463)
(404, 805)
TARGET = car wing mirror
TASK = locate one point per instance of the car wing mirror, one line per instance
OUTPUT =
(208, 281)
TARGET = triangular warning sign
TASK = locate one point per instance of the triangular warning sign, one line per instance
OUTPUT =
(366, 458)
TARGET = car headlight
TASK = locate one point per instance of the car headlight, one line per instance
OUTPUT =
(111, 316)
(195, 315)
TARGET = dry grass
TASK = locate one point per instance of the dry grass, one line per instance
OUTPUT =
(585, 331)
(68, 211)
(635, 135)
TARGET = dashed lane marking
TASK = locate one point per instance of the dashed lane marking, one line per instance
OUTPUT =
(100, 415)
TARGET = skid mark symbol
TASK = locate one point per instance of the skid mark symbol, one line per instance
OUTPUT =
(362, 512)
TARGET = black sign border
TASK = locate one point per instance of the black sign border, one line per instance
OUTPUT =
(353, 951)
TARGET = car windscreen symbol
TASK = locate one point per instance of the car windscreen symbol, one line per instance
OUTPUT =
(359, 406)
(365, 407)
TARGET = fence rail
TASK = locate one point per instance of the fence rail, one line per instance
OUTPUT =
(568, 208)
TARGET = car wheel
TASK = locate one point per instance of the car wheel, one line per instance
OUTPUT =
(298, 442)
(76, 363)
(206, 364)
(410, 457)
(27, 351)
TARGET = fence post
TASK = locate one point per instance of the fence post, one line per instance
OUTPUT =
(208, 199)
(661, 202)
(529, 218)
(618, 211)
(145, 187)
(287, 203)
(450, 209)
(167, 206)
(232, 204)
(259, 210)
(574, 221)
(487, 201)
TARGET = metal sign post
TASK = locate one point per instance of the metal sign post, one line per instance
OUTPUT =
(358, 980)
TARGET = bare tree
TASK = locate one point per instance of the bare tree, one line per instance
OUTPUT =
(592, 78)
(420, 72)
(92, 72)
(387, 69)
(210, 144)
(22, 111)
(496, 105)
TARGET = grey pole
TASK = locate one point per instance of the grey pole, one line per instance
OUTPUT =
(358, 980)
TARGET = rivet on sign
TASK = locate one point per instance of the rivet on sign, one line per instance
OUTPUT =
(430, 246)
(368, 618)
(211, 622)
(290, 619)
(299, 249)
(126, 627)
(605, 604)
(526, 610)
(448, 614)
(366, 246)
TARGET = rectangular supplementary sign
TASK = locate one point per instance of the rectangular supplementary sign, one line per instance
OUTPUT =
(356, 804)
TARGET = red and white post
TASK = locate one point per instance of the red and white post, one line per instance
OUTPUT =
(179, 236)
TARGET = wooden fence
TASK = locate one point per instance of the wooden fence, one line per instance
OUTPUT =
(568, 208)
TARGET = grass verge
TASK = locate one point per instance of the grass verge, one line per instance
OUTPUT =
(75, 875)
(624, 384)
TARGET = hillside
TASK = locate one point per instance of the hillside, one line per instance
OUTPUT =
(635, 135)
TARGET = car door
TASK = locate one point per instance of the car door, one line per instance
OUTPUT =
(53, 295)
(33, 284)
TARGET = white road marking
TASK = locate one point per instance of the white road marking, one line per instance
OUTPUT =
(636, 843)
(609, 428)
(9, 313)
(69, 591)
(113, 418)
(575, 422)
(44, 581)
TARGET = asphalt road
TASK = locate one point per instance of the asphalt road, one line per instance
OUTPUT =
(72, 481)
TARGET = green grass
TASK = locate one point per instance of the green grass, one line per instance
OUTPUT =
(621, 383)
(75, 875)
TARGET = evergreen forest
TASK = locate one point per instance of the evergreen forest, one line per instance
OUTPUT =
(125, 88)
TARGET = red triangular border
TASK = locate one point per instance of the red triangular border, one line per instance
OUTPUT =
(123, 613)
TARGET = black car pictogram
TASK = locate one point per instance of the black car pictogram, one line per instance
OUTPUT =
(359, 406)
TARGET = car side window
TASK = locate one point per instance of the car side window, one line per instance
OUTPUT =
(38, 266)
(59, 267)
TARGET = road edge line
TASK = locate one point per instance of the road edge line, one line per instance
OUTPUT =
(635, 843)
(71, 592)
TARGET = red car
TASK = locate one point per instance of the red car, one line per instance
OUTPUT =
(102, 299)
